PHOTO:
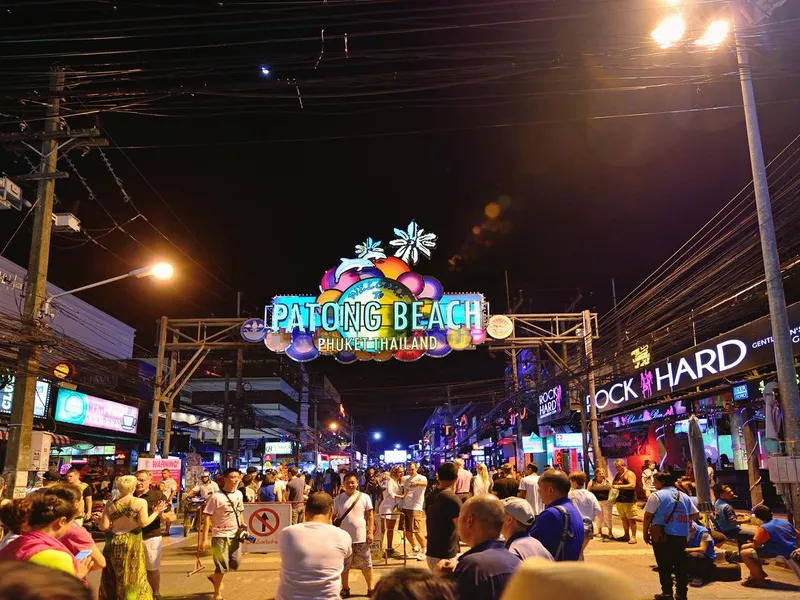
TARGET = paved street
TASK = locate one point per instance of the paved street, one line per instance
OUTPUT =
(258, 579)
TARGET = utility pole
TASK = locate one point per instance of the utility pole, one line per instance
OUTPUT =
(316, 435)
(173, 374)
(518, 401)
(237, 418)
(784, 356)
(587, 345)
(18, 453)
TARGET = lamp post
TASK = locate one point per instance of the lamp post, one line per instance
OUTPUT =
(670, 32)
(160, 270)
(21, 426)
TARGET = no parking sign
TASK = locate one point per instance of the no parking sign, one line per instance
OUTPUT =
(265, 520)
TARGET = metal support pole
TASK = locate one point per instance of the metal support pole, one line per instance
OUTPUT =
(168, 403)
(352, 443)
(226, 402)
(518, 404)
(159, 384)
(316, 434)
(237, 411)
(20, 430)
(784, 357)
(599, 461)
(584, 436)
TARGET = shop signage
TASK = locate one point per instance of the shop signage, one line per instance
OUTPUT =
(533, 444)
(39, 403)
(156, 465)
(82, 409)
(278, 448)
(741, 349)
(654, 413)
(373, 306)
(553, 404)
(569, 440)
(63, 370)
(740, 392)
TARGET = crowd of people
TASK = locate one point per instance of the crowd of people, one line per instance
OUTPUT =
(477, 532)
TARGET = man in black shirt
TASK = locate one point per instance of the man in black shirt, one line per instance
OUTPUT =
(296, 487)
(442, 508)
(151, 534)
(506, 486)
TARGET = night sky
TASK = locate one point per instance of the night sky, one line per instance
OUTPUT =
(602, 149)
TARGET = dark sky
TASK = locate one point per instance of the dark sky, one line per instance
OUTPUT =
(435, 112)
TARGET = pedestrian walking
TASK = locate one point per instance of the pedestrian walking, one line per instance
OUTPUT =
(222, 527)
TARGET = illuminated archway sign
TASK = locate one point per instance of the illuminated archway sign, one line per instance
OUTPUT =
(375, 307)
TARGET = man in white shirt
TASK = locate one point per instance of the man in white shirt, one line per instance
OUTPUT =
(463, 481)
(529, 488)
(413, 510)
(223, 516)
(313, 554)
(354, 510)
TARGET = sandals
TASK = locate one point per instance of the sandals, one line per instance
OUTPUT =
(633, 541)
(752, 583)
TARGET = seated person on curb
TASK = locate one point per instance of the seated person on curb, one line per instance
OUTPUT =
(725, 519)
(772, 539)
(701, 554)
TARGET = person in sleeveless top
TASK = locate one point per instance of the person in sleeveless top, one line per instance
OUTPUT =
(125, 576)
(625, 482)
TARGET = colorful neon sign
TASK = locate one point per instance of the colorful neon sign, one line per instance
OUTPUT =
(375, 307)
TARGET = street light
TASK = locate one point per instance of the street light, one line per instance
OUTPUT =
(376, 436)
(333, 426)
(669, 32)
(161, 270)
(397, 446)
(779, 321)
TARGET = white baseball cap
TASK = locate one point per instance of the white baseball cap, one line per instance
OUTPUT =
(520, 509)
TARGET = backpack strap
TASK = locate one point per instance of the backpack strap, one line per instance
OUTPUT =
(565, 531)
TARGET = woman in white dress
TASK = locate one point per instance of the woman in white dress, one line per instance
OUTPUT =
(392, 494)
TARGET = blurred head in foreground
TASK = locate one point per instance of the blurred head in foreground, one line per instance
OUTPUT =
(538, 578)
(20, 580)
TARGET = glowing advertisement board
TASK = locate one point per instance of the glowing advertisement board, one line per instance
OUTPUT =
(39, 403)
(81, 409)
(375, 307)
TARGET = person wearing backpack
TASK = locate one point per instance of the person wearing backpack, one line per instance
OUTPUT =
(560, 527)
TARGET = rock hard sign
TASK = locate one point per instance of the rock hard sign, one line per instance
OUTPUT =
(553, 404)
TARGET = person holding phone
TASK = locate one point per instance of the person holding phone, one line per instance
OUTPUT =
(77, 540)
(49, 518)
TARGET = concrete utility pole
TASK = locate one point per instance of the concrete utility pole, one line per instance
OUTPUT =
(226, 419)
(352, 443)
(18, 453)
(237, 418)
(784, 356)
(173, 374)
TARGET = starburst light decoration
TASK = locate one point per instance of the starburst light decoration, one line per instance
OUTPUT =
(368, 247)
(413, 242)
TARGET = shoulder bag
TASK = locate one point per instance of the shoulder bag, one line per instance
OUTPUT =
(658, 533)
(241, 532)
(338, 521)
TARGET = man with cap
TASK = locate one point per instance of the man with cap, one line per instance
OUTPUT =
(519, 518)
(205, 489)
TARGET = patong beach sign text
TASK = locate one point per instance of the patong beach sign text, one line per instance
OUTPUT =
(375, 307)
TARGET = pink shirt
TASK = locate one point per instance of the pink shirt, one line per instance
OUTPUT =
(224, 523)
(77, 539)
(463, 481)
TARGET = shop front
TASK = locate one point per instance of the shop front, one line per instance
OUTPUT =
(104, 438)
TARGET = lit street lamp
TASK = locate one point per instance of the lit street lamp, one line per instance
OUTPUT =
(160, 270)
(669, 33)
(333, 426)
(376, 436)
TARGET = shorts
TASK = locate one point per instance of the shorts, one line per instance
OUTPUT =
(360, 558)
(227, 554)
(152, 553)
(414, 521)
(627, 510)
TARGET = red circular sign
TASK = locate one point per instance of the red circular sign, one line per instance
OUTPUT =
(264, 522)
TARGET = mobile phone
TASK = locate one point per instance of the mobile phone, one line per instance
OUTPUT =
(83, 554)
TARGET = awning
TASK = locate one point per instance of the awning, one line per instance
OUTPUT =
(61, 440)
(58, 439)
